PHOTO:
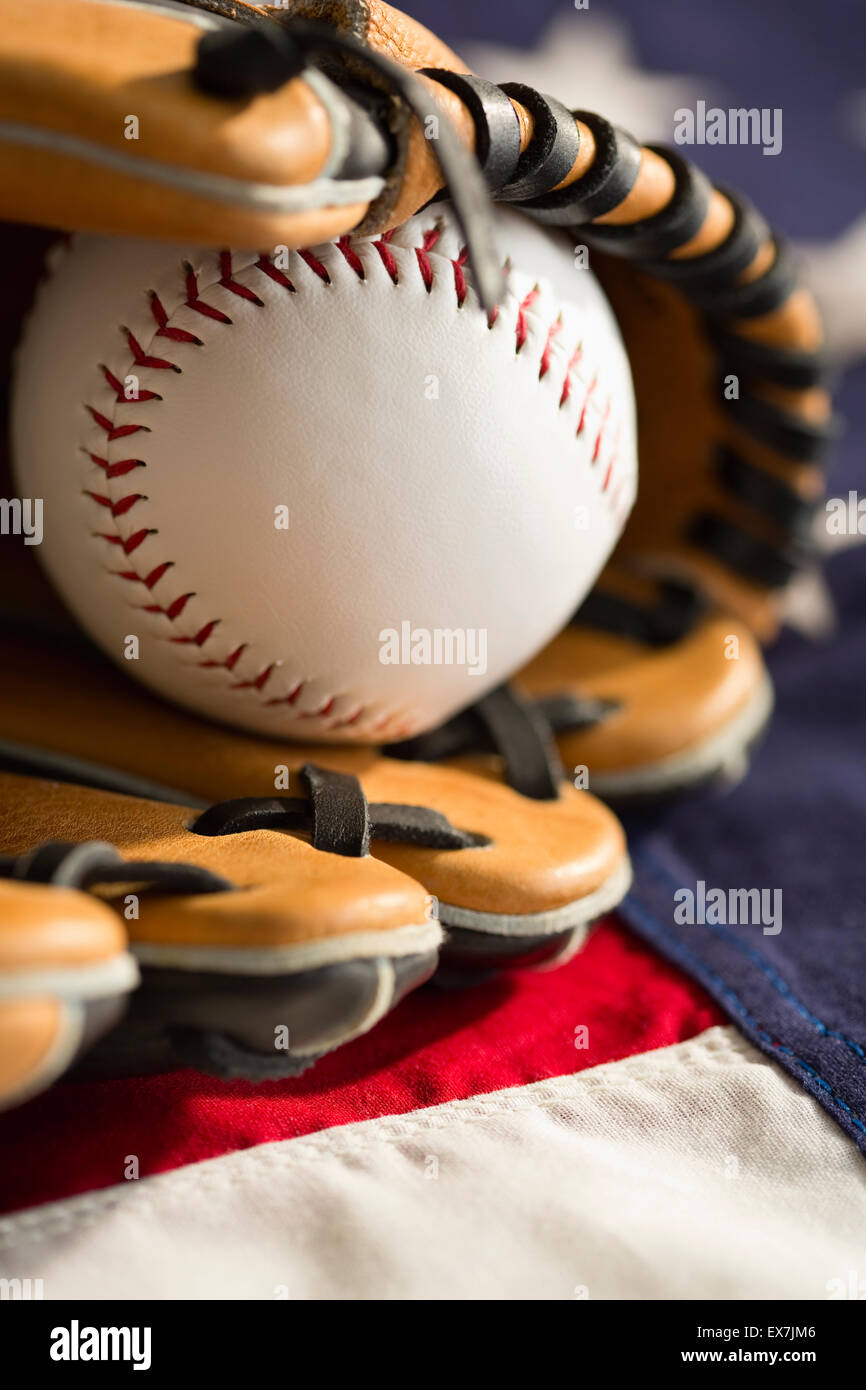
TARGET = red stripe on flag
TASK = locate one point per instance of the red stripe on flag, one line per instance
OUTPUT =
(437, 1046)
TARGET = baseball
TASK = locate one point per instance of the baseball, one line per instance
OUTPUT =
(321, 493)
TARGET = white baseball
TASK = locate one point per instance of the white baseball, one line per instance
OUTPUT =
(328, 497)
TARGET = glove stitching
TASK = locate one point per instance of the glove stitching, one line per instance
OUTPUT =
(143, 356)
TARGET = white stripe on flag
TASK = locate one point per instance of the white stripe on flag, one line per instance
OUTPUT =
(697, 1171)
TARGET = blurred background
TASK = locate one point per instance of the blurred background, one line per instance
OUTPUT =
(637, 61)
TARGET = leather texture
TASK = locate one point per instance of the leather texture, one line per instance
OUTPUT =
(682, 424)
(389, 30)
(289, 895)
(37, 1040)
(684, 712)
(439, 470)
(545, 859)
(252, 170)
(267, 934)
(42, 928)
(65, 973)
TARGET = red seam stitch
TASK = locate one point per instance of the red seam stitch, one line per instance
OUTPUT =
(352, 719)
(192, 300)
(460, 287)
(278, 276)
(386, 256)
(176, 335)
(119, 508)
(258, 682)
(322, 713)
(148, 580)
(604, 419)
(229, 663)
(234, 286)
(141, 358)
(176, 607)
(115, 470)
(199, 638)
(572, 363)
(422, 256)
(522, 328)
(548, 346)
(120, 432)
(121, 397)
(351, 257)
(290, 698)
(582, 421)
(315, 265)
(425, 268)
(131, 543)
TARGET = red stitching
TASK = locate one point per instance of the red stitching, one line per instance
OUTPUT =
(572, 363)
(148, 580)
(548, 346)
(142, 359)
(278, 276)
(163, 330)
(460, 276)
(425, 267)
(315, 266)
(522, 328)
(423, 257)
(175, 608)
(120, 431)
(322, 713)
(132, 542)
(386, 256)
(290, 698)
(115, 470)
(229, 663)
(193, 302)
(199, 637)
(122, 506)
(604, 419)
(258, 682)
(121, 397)
(234, 286)
(589, 392)
(152, 362)
(353, 260)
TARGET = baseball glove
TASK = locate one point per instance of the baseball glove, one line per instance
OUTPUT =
(264, 126)
(265, 933)
(281, 905)
(554, 858)
(65, 974)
